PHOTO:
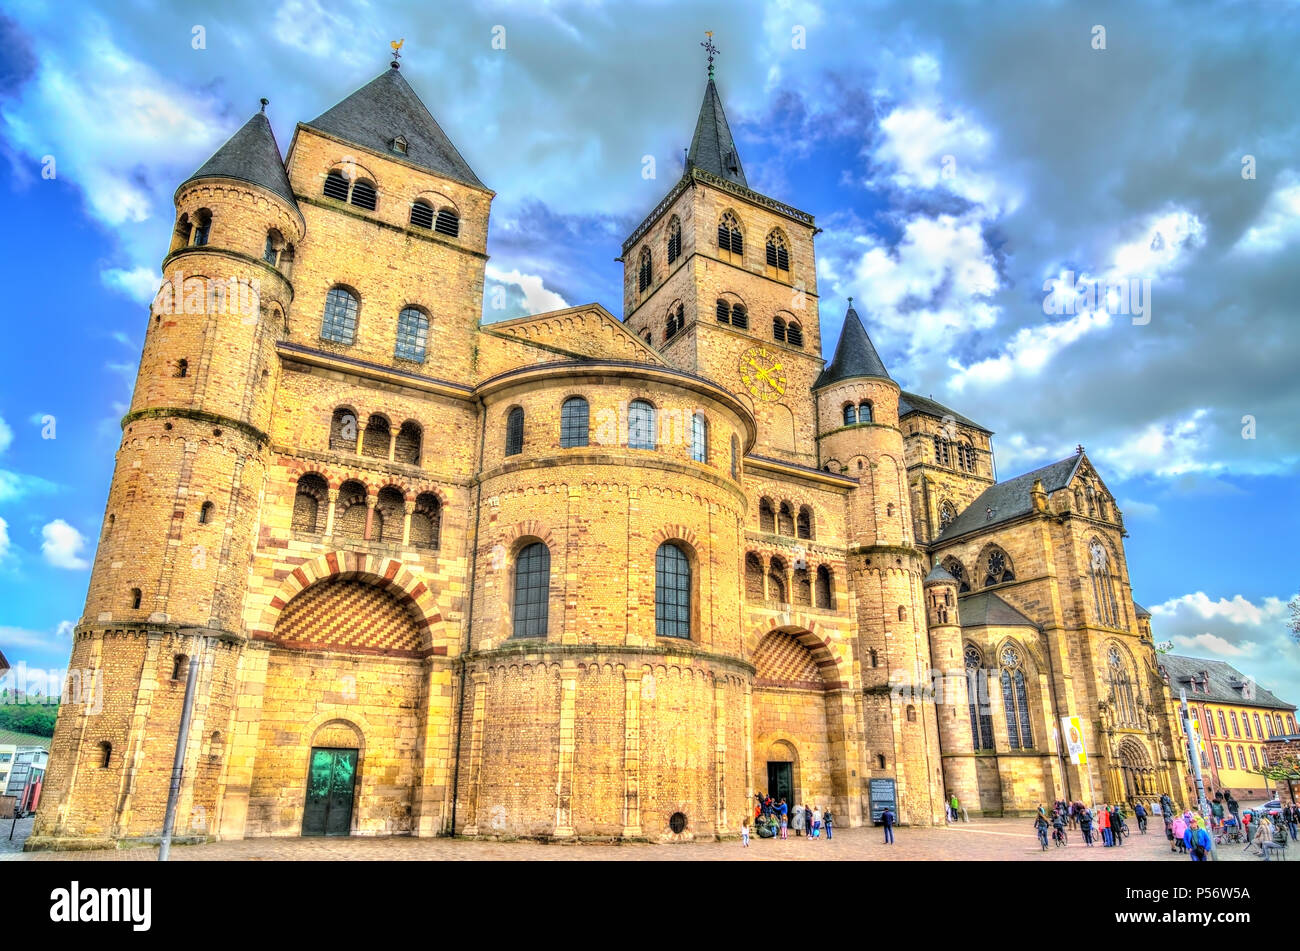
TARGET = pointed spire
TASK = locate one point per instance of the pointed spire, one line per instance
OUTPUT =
(250, 155)
(385, 108)
(854, 354)
(713, 149)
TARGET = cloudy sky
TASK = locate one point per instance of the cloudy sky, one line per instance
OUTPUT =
(964, 160)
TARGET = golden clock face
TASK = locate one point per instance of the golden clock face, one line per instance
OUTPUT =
(763, 374)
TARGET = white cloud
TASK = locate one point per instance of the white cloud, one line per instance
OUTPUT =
(1132, 508)
(16, 485)
(1030, 350)
(11, 637)
(6, 435)
(4, 539)
(64, 631)
(140, 284)
(62, 546)
(1212, 644)
(1164, 448)
(1162, 243)
(537, 299)
(1278, 224)
(1236, 610)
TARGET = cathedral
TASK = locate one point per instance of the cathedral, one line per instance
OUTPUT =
(569, 575)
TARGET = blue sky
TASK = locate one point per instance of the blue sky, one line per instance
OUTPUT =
(958, 157)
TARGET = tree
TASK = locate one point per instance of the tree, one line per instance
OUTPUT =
(1283, 764)
(1293, 625)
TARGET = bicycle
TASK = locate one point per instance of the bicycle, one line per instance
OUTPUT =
(1060, 837)
(1042, 838)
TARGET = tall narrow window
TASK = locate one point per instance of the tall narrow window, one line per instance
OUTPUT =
(532, 590)
(1223, 724)
(202, 227)
(804, 524)
(447, 223)
(426, 521)
(1232, 763)
(574, 422)
(1123, 701)
(1236, 729)
(740, 317)
(105, 754)
(724, 311)
(640, 425)
(672, 592)
(730, 239)
(309, 501)
(825, 597)
(793, 334)
(422, 215)
(515, 432)
(643, 270)
(674, 239)
(179, 664)
(850, 414)
(377, 437)
(699, 438)
(340, 321)
(182, 368)
(676, 321)
(977, 700)
(1016, 700)
(766, 516)
(343, 430)
(205, 513)
(136, 598)
(412, 335)
(364, 195)
(735, 457)
(336, 186)
(753, 578)
(406, 447)
(785, 519)
(778, 255)
(778, 330)
(274, 245)
(1103, 588)
(864, 412)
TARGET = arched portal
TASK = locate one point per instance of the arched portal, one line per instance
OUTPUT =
(1135, 772)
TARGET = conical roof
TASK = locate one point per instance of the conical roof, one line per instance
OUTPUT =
(854, 354)
(385, 108)
(250, 155)
(939, 575)
(712, 148)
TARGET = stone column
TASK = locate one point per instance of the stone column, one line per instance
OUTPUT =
(720, 751)
(409, 509)
(332, 497)
(568, 744)
(371, 501)
(479, 679)
(392, 443)
(632, 752)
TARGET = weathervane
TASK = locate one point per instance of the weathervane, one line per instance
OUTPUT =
(397, 52)
(710, 49)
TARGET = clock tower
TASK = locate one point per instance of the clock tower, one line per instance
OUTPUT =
(722, 280)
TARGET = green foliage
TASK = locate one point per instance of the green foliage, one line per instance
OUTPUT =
(35, 718)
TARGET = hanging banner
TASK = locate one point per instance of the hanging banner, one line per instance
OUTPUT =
(1072, 730)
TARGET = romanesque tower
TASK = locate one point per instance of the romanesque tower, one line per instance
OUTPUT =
(857, 413)
(170, 573)
(954, 688)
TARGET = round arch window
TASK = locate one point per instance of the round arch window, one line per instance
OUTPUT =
(677, 822)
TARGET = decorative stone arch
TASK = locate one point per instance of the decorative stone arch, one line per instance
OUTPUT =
(983, 567)
(514, 537)
(384, 573)
(328, 727)
(819, 647)
(676, 533)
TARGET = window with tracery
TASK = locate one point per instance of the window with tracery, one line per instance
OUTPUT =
(1103, 588)
(958, 571)
(729, 237)
(1015, 697)
(997, 568)
(947, 514)
(778, 255)
(1122, 696)
(674, 239)
(981, 715)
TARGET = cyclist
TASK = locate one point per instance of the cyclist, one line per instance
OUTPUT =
(1040, 826)
(1058, 829)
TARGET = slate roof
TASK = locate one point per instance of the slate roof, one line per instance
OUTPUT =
(912, 403)
(250, 155)
(855, 355)
(1225, 682)
(986, 609)
(386, 107)
(1141, 611)
(938, 574)
(1009, 499)
(712, 147)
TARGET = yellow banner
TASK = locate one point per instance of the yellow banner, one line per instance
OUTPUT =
(1072, 731)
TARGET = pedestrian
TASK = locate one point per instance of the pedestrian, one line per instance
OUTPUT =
(1141, 812)
(1178, 828)
(1200, 844)
(744, 833)
(828, 820)
(1293, 820)
(956, 808)
(1248, 824)
(784, 811)
(796, 820)
(817, 822)
(1103, 821)
(1085, 824)
(1117, 826)
(887, 820)
(807, 820)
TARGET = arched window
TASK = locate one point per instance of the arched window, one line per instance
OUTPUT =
(735, 457)
(730, 240)
(804, 523)
(1123, 700)
(336, 186)
(422, 215)
(902, 613)
(183, 234)
(824, 591)
(532, 590)
(644, 270)
(640, 425)
(182, 368)
(574, 422)
(364, 195)
(977, 700)
(1254, 759)
(850, 414)
(889, 509)
(778, 255)
(205, 513)
(947, 514)
(776, 581)
(426, 521)
(942, 454)
(1218, 760)
(406, 448)
(739, 317)
(1258, 732)
(753, 577)
(376, 438)
(675, 322)
(880, 761)
(672, 592)
(911, 713)
(958, 571)
(785, 519)
(309, 501)
(390, 516)
(794, 334)
(766, 516)
(997, 567)
(202, 227)
(1103, 589)
(343, 430)
(447, 223)
(674, 239)
(412, 335)
(136, 597)
(1223, 724)
(802, 587)
(778, 329)
(340, 321)
(105, 754)
(179, 664)
(1236, 727)
(699, 438)
(274, 245)
(1016, 699)
(350, 511)
(873, 657)
(864, 412)
(1232, 762)
(515, 431)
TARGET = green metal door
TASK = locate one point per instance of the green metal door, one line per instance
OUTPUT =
(780, 782)
(331, 779)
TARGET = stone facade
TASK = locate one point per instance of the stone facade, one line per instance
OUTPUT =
(726, 579)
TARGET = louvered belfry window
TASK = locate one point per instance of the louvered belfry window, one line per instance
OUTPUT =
(422, 215)
(643, 277)
(794, 335)
(448, 223)
(336, 186)
(729, 236)
(364, 195)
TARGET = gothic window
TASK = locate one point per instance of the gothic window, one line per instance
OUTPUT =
(794, 334)
(675, 323)
(699, 438)
(729, 237)
(802, 587)
(375, 439)
(643, 270)
(1122, 696)
(340, 321)
(406, 447)
(753, 577)
(672, 592)
(966, 457)
(825, 591)
(804, 523)
(350, 511)
(343, 429)
(1016, 699)
(426, 521)
(364, 195)
(778, 255)
(997, 568)
(447, 223)
(776, 581)
(575, 416)
(1103, 588)
(947, 514)
(766, 516)
(785, 519)
(412, 335)
(532, 590)
(674, 239)
(640, 425)
(865, 414)
(515, 431)
(422, 215)
(850, 414)
(202, 227)
(981, 714)
(336, 186)
(778, 330)
(942, 453)
(958, 571)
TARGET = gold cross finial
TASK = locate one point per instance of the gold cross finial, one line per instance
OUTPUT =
(710, 49)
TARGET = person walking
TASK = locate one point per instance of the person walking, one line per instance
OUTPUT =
(1216, 815)
(1103, 820)
(784, 811)
(1179, 829)
(744, 833)
(956, 808)
(1117, 826)
(1200, 844)
(887, 820)
(796, 820)
(1085, 824)
(817, 822)
(807, 820)
(828, 820)
(1293, 820)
